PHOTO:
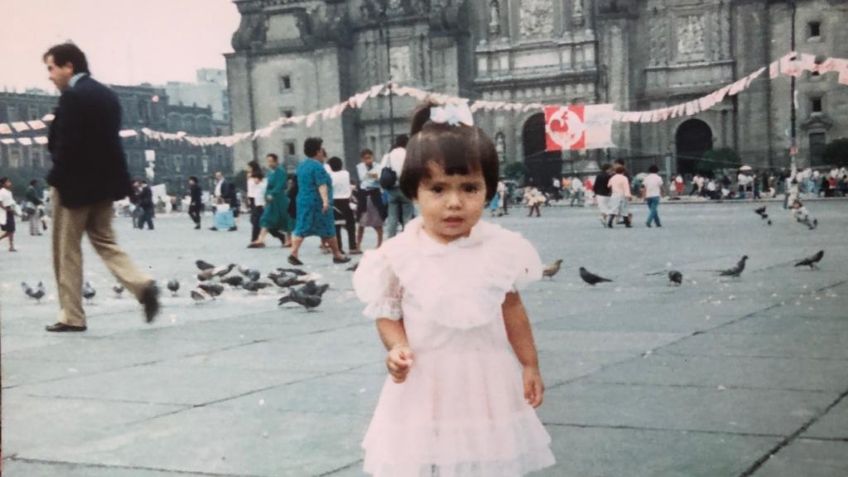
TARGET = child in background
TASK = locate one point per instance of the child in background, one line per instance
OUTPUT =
(464, 373)
(802, 215)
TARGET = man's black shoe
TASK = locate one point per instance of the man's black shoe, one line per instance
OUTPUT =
(233, 229)
(150, 300)
(341, 260)
(62, 328)
(294, 261)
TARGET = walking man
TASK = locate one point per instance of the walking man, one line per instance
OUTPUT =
(89, 172)
(652, 188)
(401, 210)
(145, 203)
(195, 207)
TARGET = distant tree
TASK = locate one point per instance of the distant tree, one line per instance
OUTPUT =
(721, 158)
(836, 152)
(515, 171)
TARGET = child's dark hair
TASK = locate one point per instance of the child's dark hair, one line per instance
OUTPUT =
(335, 163)
(457, 149)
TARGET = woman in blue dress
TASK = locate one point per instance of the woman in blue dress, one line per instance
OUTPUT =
(314, 199)
(275, 217)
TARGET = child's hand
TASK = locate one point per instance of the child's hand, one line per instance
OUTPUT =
(398, 362)
(534, 388)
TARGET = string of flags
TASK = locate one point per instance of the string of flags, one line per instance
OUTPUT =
(566, 126)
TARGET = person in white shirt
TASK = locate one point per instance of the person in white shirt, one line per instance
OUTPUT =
(577, 192)
(256, 185)
(401, 209)
(341, 203)
(652, 188)
(370, 210)
(8, 206)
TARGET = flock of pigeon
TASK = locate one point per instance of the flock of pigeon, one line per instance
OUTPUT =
(675, 277)
(298, 286)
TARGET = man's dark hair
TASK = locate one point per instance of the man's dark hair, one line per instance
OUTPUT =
(193, 179)
(400, 141)
(605, 167)
(654, 169)
(3, 181)
(459, 150)
(68, 53)
(276, 157)
(312, 145)
(33, 182)
(366, 152)
(335, 163)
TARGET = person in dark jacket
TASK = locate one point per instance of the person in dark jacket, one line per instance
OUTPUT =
(602, 192)
(89, 172)
(145, 203)
(195, 207)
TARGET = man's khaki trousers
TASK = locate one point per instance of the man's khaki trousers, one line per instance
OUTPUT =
(68, 227)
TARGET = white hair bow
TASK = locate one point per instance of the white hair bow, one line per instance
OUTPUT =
(452, 114)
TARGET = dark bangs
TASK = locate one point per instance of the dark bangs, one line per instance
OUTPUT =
(459, 150)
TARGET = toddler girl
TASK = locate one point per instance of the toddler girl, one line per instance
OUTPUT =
(444, 294)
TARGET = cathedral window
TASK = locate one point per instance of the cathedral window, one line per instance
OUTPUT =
(814, 30)
(285, 84)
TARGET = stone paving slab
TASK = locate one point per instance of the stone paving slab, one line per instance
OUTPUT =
(833, 425)
(750, 411)
(728, 372)
(808, 458)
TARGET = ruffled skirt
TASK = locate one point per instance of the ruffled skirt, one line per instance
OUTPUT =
(457, 414)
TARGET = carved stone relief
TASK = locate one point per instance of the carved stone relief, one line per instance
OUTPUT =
(537, 18)
(690, 37)
(494, 18)
(400, 67)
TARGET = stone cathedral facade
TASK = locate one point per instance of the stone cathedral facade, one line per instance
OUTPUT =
(297, 56)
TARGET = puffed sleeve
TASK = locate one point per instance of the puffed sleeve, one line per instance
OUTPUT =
(378, 287)
(526, 264)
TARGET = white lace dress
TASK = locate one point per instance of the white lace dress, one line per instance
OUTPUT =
(461, 410)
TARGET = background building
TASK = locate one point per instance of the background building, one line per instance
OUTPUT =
(295, 57)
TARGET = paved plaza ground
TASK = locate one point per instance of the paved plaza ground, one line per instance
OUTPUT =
(730, 377)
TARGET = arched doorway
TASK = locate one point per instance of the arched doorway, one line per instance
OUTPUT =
(542, 166)
(694, 138)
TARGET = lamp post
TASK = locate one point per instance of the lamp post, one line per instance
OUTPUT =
(793, 133)
(384, 23)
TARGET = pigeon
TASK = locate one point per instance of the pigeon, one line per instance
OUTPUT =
(173, 285)
(295, 271)
(591, 278)
(761, 212)
(735, 271)
(353, 267)
(286, 281)
(811, 261)
(202, 266)
(118, 289)
(255, 286)
(213, 289)
(197, 296)
(311, 288)
(675, 277)
(552, 269)
(251, 274)
(88, 291)
(223, 270)
(233, 280)
(307, 301)
(37, 294)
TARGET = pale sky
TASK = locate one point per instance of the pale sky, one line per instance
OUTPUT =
(125, 41)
